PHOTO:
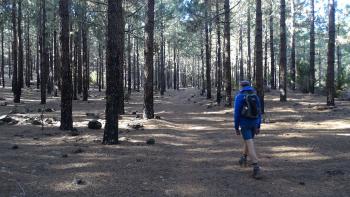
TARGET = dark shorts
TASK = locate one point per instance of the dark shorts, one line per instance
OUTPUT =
(247, 132)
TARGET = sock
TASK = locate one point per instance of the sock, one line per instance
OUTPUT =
(255, 165)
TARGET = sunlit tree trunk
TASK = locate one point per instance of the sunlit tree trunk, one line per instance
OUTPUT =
(259, 54)
(283, 53)
(227, 54)
(331, 53)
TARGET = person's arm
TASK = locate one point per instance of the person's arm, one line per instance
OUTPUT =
(237, 111)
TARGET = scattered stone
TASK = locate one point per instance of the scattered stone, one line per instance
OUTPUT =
(13, 122)
(74, 132)
(6, 118)
(134, 113)
(36, 138)
(3, 103)
(158, 117)
(139, 160)
(36, 122)
(49, 121)
(136, 125)
(78, 181)
(194, 102)
(94, 124)
(2, 99)
(50, 110)
(78, 150)
(301, 183)
(14, 111)
(334, 172)
(151, 141)
(14, 147)
(138, 116)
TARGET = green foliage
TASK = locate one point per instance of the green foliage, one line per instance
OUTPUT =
(303, 75)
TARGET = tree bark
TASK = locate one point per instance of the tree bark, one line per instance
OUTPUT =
(227, 60)
(85, 57)
(219, 62)
(66, 94)
(249, 73)
(44, 56)
(20, 47)
(149, 42)
(259, 54)
(129, 59)
(114, 53)
(2, 57)
(283, 53)
(292, 66)
(312, 48)
(207, 50)
(331, 53)
(15, 85)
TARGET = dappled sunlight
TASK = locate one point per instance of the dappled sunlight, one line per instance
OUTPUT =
(296, 153)
(71, 165)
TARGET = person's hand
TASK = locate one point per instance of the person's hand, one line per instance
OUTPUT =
(257, 131)
(238, 132)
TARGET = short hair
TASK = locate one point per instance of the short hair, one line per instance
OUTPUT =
(244, 83)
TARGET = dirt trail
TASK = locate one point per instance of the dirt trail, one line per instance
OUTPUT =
(304, 151)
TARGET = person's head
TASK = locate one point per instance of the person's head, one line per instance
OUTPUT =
(244, 84)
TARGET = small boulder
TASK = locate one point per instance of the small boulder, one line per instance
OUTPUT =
(94, 124)
(50, 110)
(6, 118)
(78, 181)
(49, 121)
(134, 113)
(14, 147)
(2, 99)
(138, 116)
(158, 117)
(135, 125)
(36, 122)
(78, 150)
(3, 103)
(151, 141)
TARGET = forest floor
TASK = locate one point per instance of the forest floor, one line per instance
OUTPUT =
(303, 148)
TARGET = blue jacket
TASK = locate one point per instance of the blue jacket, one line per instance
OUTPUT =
(239, 120)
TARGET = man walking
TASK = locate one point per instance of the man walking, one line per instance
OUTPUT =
(247, 115)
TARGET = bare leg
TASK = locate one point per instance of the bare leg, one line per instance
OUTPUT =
(251, 150)
(245, 149)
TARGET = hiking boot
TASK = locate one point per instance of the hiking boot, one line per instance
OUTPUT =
(256, 172)
(243, 161)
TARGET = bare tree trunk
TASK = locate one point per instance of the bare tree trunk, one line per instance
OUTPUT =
(249, 75)
(75, 67)
(20, 47)
(149, 42)
(44, 56)
(259, 54)
(175, 68)
(137, 65)
(331, 53)
(272, 53)
(312, 48)
(292, 66)
(219, 62)
(227, 60)
(66, 97)
(115, 37)
(15, 85)
(207, 49)
(129, 59)
(28, 55)
(2, 57)
(85, 57)
(265, 59)
(283, 54)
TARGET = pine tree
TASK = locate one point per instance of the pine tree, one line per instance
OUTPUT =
(331, 53)
(227, 54)
(283, 53)
(259, 75)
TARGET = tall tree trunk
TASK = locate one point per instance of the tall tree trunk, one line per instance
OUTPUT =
(283, 53)
(15, 85)
(149, 41)
(202, 70)
(259, 54)
(331, 53)
(227, 60)
(129, 59)
(66, 95)
(114, 53)
(219, 62)
(265, 59)
(175, 68)
(75, 67)
(28, 55)
(20, 47)
(292, 66)
(312, 48)
(134, 66)
(272, 52)
(249, 73)
(44, 56)
(207, 49)
(339, 68)
(162, 62)
(100, 65)
(2, 57)
(241, 68)
(85, 57)
(137, 65)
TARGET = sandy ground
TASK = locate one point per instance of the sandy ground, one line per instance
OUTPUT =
(304, 151)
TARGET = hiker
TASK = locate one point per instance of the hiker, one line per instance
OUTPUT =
(247, 115)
